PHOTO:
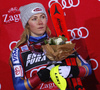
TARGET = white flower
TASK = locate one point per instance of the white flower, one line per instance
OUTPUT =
(49, 41)
(68, 42)
(58, 41)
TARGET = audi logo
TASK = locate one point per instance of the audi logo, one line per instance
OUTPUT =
(78, 33)
(94, 61)
(13, 42)
(66, 3)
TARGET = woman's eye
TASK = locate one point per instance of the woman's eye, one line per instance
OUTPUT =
(34, 19)
(43, 16)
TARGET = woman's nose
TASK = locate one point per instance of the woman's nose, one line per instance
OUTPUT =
(40, 22)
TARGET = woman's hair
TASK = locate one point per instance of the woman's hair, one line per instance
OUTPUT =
(25, 36)
(26, 33)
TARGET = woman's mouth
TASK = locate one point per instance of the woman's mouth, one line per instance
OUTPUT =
(40, 27)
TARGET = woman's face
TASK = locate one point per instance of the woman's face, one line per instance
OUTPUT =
(37, 24)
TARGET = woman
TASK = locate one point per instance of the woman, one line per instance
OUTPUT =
(29, 65)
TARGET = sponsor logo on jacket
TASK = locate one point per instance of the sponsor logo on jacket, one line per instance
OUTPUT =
(15, 58)
(35, 58)
(32, 60)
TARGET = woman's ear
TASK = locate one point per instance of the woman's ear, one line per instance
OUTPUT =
(27, 26)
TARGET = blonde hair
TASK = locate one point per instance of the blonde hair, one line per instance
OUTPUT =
(26, 33)
(25, 36)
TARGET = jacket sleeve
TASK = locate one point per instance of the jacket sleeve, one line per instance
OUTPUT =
(84, 67)
(19, 82)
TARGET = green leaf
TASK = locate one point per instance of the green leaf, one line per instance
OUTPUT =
(45, 41)
(52, 42)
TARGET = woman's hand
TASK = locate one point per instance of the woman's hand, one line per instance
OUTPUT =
(68, 71)
(44, 74)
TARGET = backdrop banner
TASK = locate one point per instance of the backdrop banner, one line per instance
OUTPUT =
(83, 24)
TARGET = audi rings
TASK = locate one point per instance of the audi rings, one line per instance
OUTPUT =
(71, 3)
(94, 62)
(13, 42)
(78, 33)
(66, 3)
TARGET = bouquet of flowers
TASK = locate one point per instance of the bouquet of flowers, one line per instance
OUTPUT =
(58, 48)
